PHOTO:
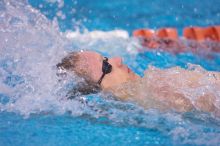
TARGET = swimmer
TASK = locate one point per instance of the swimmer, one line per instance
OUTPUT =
(175, 88)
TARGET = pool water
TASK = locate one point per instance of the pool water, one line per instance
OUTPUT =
(35, 35)
(129, 15)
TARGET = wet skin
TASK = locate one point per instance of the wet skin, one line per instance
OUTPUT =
(120, 73)
(151, 95)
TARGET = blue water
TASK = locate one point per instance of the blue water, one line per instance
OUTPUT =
(132, 14)
(66, 130)
(29, 115)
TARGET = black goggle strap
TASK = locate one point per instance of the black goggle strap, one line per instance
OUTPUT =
(106, 68)
(100, 80)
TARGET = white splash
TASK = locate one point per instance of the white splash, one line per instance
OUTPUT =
(31, 45)
(30, 48)
(98, 34)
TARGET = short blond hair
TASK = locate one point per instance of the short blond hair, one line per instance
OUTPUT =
(70, 63)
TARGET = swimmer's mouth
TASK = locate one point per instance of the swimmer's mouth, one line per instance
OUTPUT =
(129, 70)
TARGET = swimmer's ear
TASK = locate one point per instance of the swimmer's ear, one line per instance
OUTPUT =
(83, 88)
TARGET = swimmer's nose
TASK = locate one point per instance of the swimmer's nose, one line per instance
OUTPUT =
(117, 60)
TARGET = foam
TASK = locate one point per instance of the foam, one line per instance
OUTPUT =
(98, 34)
(31, 45)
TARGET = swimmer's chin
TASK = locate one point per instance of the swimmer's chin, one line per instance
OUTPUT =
(124, 90)
(136, 77)
(131, 79)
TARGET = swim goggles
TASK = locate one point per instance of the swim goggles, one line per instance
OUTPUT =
(106, 68)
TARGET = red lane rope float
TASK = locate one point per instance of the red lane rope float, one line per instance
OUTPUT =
(169, 33)
(201, 34)
(212, 33)
(217, 30)
(147, 33)
(167, 38)
(191, 33)
(160, 38)
(194, 33)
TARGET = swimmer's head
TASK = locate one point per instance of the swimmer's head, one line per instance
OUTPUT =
(88, 64)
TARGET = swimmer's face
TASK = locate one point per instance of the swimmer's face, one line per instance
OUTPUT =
(91, 62)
